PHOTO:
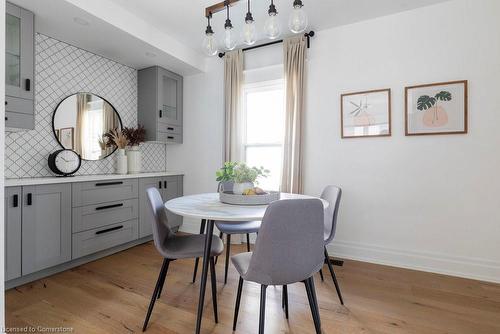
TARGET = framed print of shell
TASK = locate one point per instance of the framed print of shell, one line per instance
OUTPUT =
(366, 114)
(436, 109)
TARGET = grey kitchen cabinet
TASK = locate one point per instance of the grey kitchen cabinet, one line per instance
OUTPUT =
(160, 105)
(19, 68)
(46, 226)
(13, 230)
(169, 187)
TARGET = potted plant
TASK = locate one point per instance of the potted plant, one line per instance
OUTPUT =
(434, 115)
(225, 176)
(245, 177)
(116, 138)
(135, 137)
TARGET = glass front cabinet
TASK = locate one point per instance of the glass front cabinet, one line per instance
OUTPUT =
(19, 68)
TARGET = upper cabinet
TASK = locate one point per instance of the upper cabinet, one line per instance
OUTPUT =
(19, 68)
(160, 104)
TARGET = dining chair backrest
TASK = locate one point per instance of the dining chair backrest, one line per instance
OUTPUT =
(289, 248)
(161, 230)
(332, 195)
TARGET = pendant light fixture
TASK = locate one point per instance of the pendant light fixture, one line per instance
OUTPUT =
(297, 21)
(209, 45)
(272, 26)
(249, 34)
(229, 35)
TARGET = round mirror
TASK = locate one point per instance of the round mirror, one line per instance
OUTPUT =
(81, 120)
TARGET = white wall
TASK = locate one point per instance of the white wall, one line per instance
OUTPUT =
(430, 202)
(2, 143)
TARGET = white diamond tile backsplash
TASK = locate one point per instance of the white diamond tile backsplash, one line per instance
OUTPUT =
(61, 70)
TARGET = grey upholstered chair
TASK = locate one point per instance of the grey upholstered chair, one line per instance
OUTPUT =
(332, 195)
(230, 228)
(173, 247)
(289, 249)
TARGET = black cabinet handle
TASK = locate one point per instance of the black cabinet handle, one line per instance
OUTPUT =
(161, 114)
(109, 229)
(6, 118)
(109, 206)
(169, 128)
(29, 199)
(159, 184)
(170, 137)
(15, 201)
(6, 103)
(27, 85)
(165, 184)
(108, 183)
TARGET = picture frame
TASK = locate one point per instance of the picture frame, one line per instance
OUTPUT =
(436, 109)
(66, 137)
(366, 114)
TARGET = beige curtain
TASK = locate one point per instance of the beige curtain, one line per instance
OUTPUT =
(81, 109)
(294, 51)
(233, 84)
(109, 122)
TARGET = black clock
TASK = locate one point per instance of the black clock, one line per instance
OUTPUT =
(64, 162)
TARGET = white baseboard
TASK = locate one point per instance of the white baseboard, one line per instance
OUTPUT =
(466, 267)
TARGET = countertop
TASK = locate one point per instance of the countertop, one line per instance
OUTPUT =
(83, 178)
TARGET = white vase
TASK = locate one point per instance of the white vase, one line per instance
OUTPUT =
(239, 188)
(121, 161)
(134, 156)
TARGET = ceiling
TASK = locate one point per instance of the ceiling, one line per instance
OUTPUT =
(184, 20)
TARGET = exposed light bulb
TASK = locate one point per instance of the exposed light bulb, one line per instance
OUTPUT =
(249, 33)
(297, 21)
(209, 45)
(229, 39)
(272, 26)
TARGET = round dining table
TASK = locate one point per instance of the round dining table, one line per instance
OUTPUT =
(209, 209)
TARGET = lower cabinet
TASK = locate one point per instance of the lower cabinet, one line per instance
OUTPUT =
(46, 226)
(13, 232)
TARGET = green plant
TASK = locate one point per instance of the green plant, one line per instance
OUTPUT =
(243, 173)
(425, 102)
(226, 173)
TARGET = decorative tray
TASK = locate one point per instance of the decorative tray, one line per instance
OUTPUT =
(264, 199)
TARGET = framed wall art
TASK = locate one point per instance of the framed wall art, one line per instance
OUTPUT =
(67, 137)
(366, 114)
(436, 109)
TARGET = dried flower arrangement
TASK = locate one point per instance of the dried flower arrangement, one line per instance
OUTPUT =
(135, 136)
(116, 138)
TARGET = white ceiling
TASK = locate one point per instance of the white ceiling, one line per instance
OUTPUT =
(142, 33)
(184, 19)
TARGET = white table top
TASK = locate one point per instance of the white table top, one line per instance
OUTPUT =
(208, 206)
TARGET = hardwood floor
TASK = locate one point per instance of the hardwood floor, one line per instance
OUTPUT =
(111, 295)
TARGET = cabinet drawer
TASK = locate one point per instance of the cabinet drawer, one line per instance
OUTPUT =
(15, 104)
(99, 215)
(169, 137)
(19, 121)
(168, 128)
(88, 242)
(88, 193)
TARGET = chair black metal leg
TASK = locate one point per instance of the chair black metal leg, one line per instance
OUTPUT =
(262, 316)
(312, 306)
(161, 286)
(217, 258)
(228, 253)
(321, 274)
(161, 278)
(285, 300)
(202, 230)
(237, 306)
(315, 300)
(330, 267)
(248, 242)
(204, 272)
(214, 289)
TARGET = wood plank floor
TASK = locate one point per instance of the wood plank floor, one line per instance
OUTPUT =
(111, 295)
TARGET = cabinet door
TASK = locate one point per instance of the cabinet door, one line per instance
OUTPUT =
(19, 52)
(169, 97)
(12, 233)
(172, 189)
(145, 213)
(46, 226)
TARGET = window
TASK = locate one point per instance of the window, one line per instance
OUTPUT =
(263, 108)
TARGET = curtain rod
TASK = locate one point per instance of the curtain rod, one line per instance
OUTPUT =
(308, 35)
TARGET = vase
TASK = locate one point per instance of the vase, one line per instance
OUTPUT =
(226, 186)
(134, 162)
(121, 161)
(239, 188)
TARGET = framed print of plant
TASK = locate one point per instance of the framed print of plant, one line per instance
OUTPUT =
(436, 109)
(366, 114)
